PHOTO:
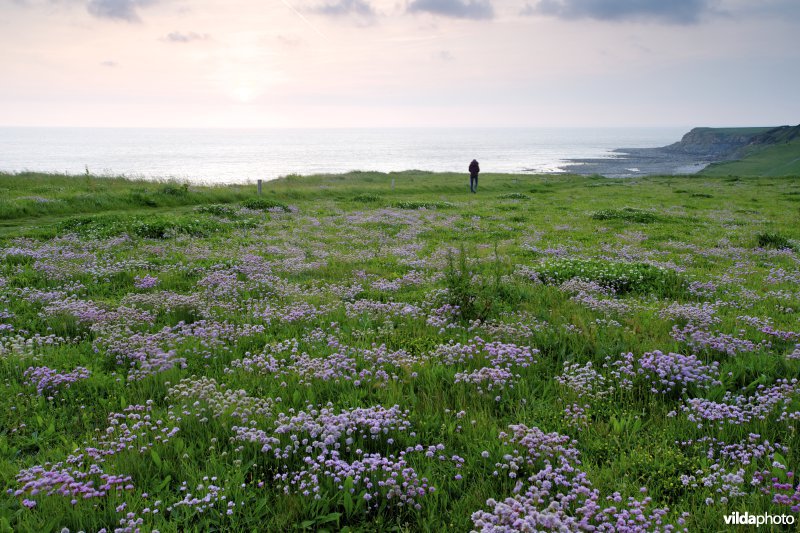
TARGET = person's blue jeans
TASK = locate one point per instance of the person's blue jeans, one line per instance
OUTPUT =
(473, 183)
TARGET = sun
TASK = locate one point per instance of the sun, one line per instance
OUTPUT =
(244, 71)
(244, 93)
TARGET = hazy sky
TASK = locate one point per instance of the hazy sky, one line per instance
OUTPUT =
(343, 63)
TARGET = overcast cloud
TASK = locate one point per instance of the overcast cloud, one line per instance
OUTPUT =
(670, 11)
(180, 37)
(370, 63)
(340, 8)
(126, 10)
(467, 9)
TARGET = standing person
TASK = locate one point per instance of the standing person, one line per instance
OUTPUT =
(474, 169)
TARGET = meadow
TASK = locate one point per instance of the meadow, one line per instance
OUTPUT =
(388, 352)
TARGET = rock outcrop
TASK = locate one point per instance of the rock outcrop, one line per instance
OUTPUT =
(696, 150)
(721, 144)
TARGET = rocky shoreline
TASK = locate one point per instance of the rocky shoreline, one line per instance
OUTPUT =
(630, 162)
(695, 151)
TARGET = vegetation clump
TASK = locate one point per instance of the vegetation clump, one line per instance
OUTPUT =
(264, 204)
(175, 189)
(413, 204)
(153, 227)
(620, 277)
(465, 291)
(367, 197)
(774, 240)
(219, 210)
(629, 214)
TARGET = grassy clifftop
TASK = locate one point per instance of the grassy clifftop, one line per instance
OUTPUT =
(723, 143)
(775, 152)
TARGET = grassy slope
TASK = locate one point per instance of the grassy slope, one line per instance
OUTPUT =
(30, 194)
(737, 131)
(345, 218)
(772, 160)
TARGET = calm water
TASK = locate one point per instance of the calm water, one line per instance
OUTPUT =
(224, 155)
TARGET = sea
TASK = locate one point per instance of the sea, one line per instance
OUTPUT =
(246, 155)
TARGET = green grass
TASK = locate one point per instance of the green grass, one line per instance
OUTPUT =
(32, 195)
(781, 159)
(102, 273)
(626, 213)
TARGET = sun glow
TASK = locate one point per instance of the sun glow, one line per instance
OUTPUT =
(245, 71)
(244, 93)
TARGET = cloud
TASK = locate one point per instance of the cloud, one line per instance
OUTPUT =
(339, 8)
(465, 9)
(117, 9)
(670, 11)
(444, 55)
(290, 41)
(109, 64)
(178, 37)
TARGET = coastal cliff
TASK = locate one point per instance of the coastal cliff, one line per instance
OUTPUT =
(776, 149)
(715, 143)
(731, 143)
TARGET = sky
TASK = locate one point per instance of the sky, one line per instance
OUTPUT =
(399, 63)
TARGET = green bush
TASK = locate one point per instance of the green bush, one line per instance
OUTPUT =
(367, 197)
(410, 204)
(462, 292)
(143, 199)
(623, 278)
(478, 296)
(262, 204)
(773, 240)
(155, 227)
(175, 189)
(98, 225)
(629, 214)
(219, 210)
(166, 227)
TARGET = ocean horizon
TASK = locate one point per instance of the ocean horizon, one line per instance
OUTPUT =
(242, 155)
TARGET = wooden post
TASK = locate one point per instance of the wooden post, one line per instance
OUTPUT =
(392, 183)
(259, 187)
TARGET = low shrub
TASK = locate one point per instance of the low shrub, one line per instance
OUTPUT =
(463, 292)
(143, 199)
(477, 296)
(411, 204)
(263, 204)
(514, 196)
(367, 197)
(154, 227)
(219, 210)
(622, 278)
(175, 189)
(628, 214)
(773, 240)
(166, 227)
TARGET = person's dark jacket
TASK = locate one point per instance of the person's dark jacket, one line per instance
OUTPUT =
(474, 169)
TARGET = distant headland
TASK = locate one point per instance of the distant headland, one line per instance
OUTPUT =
(772, 151)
